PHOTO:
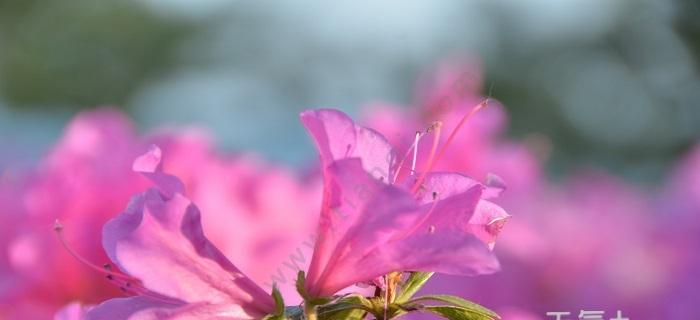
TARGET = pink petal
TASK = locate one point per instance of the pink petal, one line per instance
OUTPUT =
(140, 308)
(385, 229)
(487, 221)
(159, 240)
(442, 185)
(345, 195)
(149, 165)
(72, 311)
(132, 308)
(338, 137)
(348, 232)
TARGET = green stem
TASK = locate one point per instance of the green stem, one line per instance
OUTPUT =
(310, 311)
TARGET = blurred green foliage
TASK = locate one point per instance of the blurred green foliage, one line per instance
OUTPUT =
(80, 53)
(610, 84)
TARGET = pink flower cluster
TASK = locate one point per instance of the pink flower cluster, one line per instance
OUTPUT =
(87, 179)
(162, 226)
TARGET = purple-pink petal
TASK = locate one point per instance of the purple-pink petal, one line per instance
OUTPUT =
(159, 240)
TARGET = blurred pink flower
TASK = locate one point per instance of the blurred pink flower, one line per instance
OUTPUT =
(86, 179)
(679, 211)
(82, 182)
(480, 148)
(682, 193)
(372, 224)
(173, 269)
(587, 242)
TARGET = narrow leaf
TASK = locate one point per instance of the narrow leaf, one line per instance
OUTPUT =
(457, 302)
(349, 308)
(414, 282)
(455, 313)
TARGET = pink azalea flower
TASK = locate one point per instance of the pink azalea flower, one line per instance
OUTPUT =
(85, 181)
(373, 224)
(173, 269)
(79, 182)
(588, 242)
(480, 148)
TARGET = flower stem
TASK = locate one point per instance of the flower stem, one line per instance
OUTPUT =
(310, 311)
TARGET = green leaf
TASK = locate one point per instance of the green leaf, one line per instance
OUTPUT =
(348, 314)
(414, 282)
(349, 308)
(456, 313)
(279, 302)
(454, 301)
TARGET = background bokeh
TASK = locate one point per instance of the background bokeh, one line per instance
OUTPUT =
(610, 83)
(589, 86)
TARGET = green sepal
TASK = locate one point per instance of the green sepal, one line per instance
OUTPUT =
(301, 289)
(414, 282)
(279, 301)
(279, 305)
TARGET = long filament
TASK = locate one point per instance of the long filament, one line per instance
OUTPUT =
(459, 126)
(431, 157)
(419, 135)
(58, 228)
(415, 153)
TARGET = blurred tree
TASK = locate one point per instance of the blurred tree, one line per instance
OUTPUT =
(688, 26)
(80, 53)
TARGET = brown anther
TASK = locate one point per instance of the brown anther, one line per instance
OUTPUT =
(432, 126)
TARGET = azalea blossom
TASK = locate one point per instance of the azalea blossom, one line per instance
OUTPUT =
(373, 223)
(586, 240)
(480, 148)
(82, 181)
(85, 180)
(171, 267)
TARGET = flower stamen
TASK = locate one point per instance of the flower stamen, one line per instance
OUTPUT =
(437, 127)
(432, 160)
(415, 153)
(464, 119)
(125, 283)
(413, 148)
(58, 228)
